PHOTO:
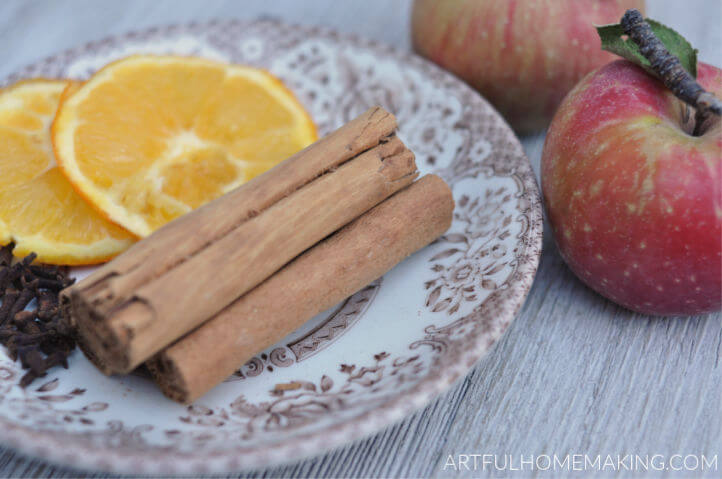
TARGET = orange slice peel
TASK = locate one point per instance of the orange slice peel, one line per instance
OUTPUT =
(149, 138)
(39, 210)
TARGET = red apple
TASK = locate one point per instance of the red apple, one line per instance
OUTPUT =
(522, 55)
(634, 199)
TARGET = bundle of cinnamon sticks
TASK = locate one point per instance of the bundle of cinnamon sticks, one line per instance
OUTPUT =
(202, 295)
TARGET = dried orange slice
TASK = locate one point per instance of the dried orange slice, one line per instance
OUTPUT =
(149, 138)
(39, 210)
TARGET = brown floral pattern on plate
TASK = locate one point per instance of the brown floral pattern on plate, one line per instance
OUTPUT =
(426, 324)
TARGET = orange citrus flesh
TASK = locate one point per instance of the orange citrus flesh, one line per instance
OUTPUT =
(39, 209)
(150, 138)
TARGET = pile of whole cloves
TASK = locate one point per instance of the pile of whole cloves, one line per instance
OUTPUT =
(39, 337)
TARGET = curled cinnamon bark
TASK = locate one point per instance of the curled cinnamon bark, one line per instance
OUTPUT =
(322, 276)
(186, 272)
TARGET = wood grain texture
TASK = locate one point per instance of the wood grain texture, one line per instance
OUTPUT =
(573, 374)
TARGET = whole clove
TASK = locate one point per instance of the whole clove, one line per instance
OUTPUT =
(45, 272)
(28, 292)
(6, 256)
(39, 338)
(8, 297)
(47, 305)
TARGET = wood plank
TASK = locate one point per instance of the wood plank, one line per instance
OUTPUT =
(573, 374)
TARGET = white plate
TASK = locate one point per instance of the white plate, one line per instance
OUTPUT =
(362, 365)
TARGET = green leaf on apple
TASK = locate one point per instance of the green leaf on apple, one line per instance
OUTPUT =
(614, 40)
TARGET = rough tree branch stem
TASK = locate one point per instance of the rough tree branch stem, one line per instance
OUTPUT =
(669, 68)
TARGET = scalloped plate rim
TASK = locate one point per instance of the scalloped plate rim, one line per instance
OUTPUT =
(54, 449)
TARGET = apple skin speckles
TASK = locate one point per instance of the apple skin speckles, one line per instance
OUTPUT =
(521, 55)
(624, 181)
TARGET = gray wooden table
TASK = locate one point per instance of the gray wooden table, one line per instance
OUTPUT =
(573, 374)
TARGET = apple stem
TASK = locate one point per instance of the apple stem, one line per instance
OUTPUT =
(670, 69)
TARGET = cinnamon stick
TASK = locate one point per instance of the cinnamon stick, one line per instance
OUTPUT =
(186, 272)
(321, 277)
